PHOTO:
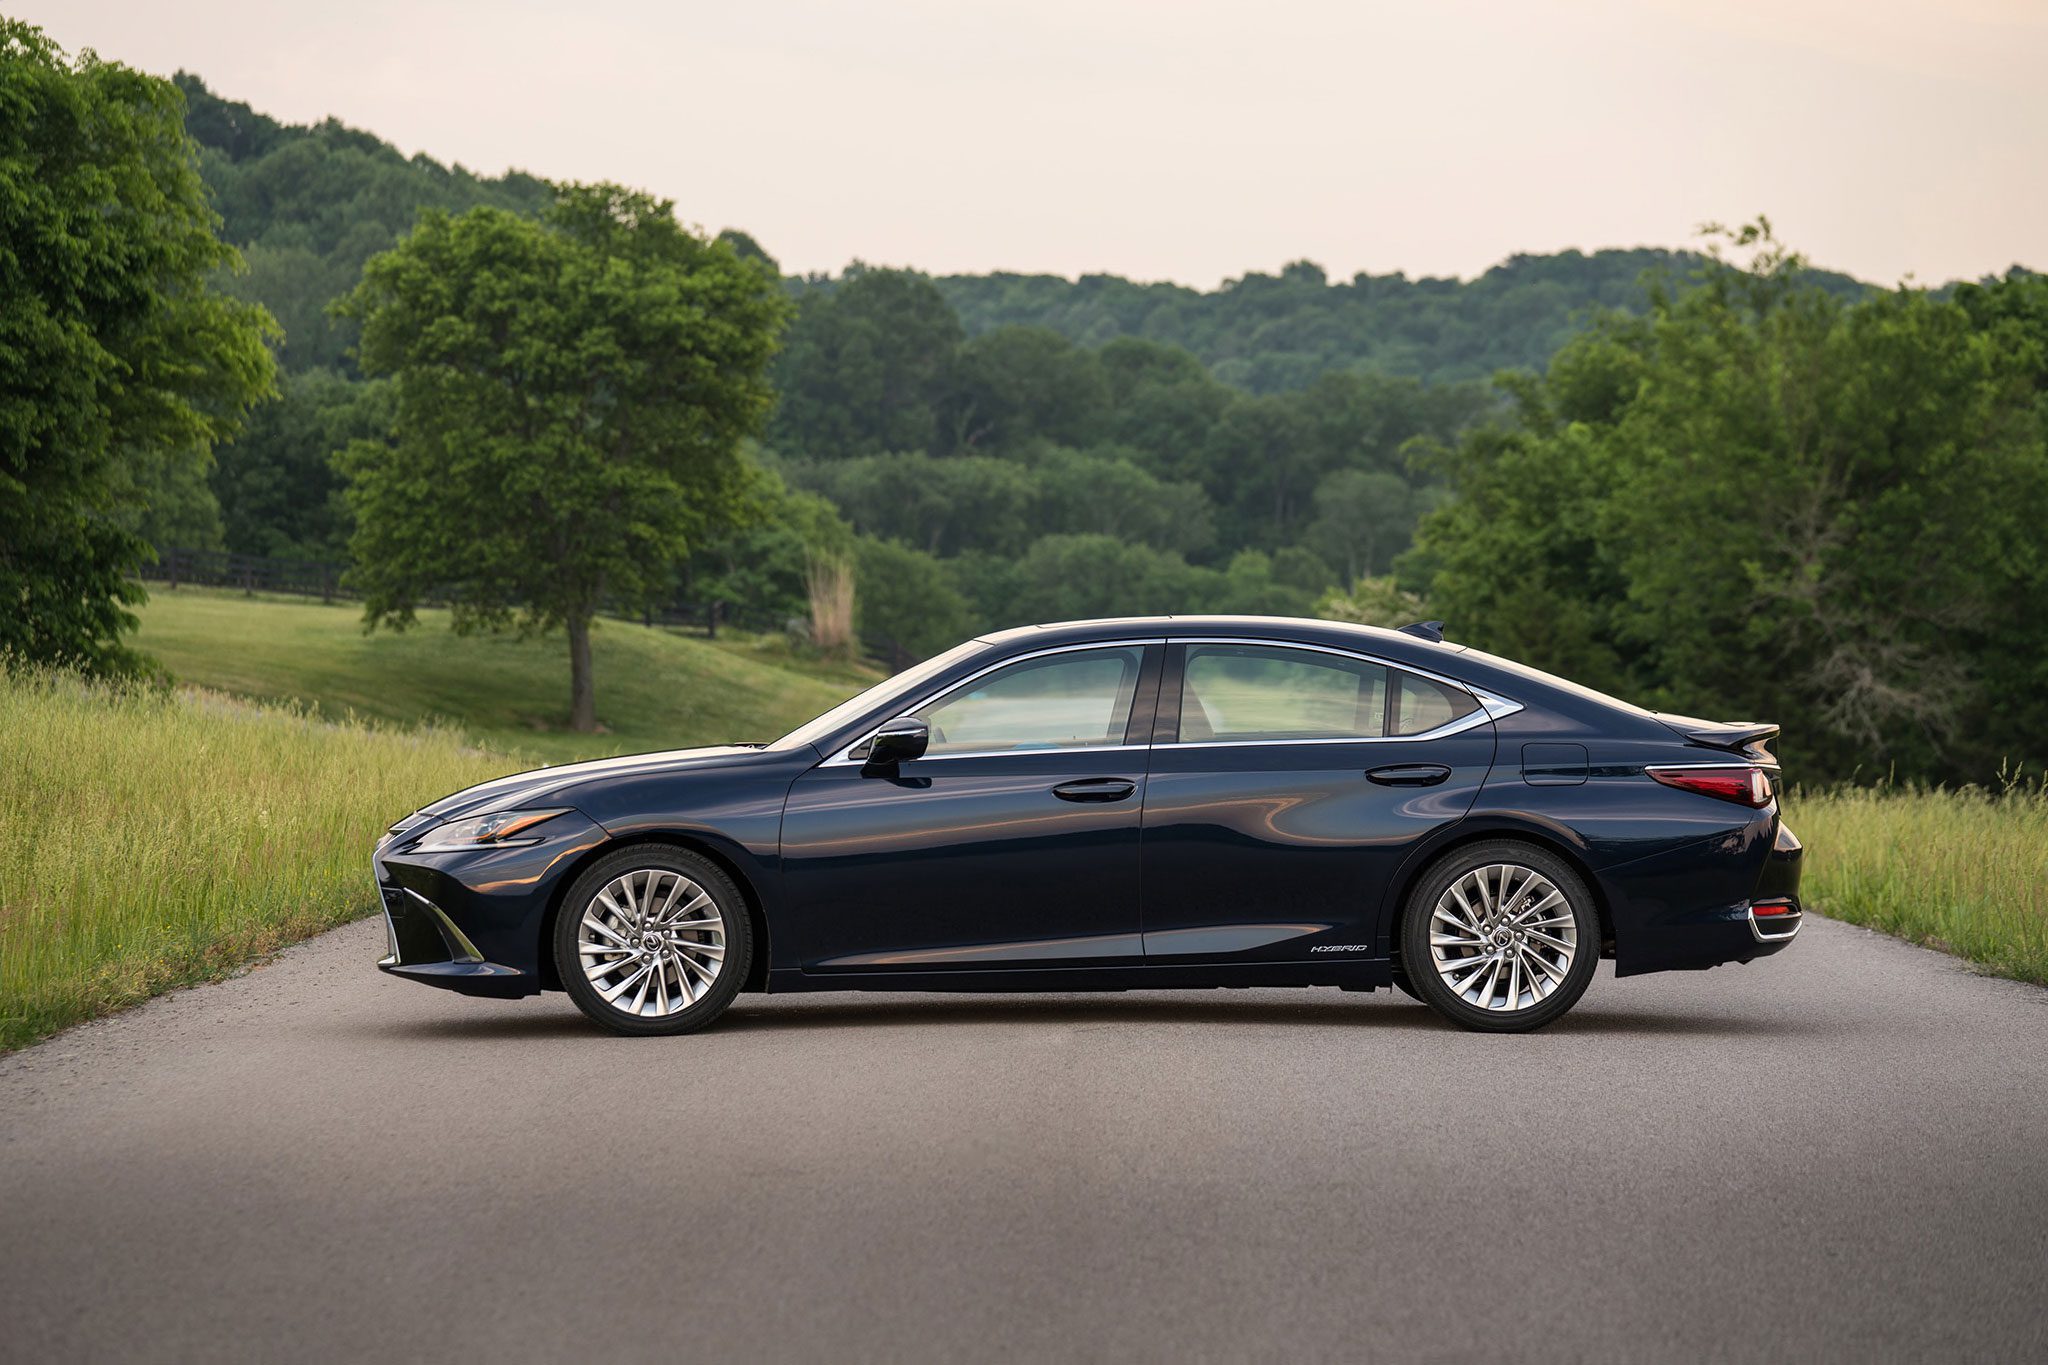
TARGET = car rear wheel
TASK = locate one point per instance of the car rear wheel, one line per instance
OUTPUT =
(1501, 937)
(653, 940)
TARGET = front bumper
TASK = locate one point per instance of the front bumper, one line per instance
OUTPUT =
(471, 920)
(426, 945)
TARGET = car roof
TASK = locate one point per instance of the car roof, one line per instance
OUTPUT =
(1376, 639)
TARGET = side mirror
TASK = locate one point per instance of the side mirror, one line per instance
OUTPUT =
(899, 741)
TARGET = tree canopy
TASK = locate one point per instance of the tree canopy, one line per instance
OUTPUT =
(1761, 500)
(570, 398)
(121, 363)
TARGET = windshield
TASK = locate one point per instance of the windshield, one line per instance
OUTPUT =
(909, 680)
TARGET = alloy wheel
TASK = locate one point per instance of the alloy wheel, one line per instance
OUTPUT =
(1503, 937)
(651, 942)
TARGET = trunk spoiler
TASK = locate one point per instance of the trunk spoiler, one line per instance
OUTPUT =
(1736, 737)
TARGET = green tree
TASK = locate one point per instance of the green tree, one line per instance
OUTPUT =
(1363, 518)
(1019, 383)
(1080, 577)
(309, 205)
(1372, 602)
(121, 365)
(866, 367)
(571, 395)
(1761, 500)
(1105, 491)
(941, 506)
(905, 603)
(758, 561)
(278, 489)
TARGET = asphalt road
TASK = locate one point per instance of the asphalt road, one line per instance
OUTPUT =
(1838, 1153)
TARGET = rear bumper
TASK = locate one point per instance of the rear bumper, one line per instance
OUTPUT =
(1667, 930)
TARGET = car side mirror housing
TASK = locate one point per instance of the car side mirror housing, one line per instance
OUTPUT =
(899, 741)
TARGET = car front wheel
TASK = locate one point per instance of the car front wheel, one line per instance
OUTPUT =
(653, 940)
(1501, 937)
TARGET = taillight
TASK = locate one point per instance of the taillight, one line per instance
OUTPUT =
(1745, 785)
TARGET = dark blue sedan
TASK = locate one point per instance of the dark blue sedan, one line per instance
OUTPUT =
(1141, 804)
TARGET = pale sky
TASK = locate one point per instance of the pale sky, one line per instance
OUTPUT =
(1190, 140)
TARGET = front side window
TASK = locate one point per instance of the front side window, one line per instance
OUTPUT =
(1058, 701)
(1253, 692)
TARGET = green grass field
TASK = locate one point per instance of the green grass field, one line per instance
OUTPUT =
(1963, 871)
(655, 689)
(149, 841)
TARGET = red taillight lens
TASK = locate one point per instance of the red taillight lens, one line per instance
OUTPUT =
(1746, 785)
(1763, 909)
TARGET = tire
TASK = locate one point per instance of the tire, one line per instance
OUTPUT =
(666, 938)
(1401, 983)
(1529, 962)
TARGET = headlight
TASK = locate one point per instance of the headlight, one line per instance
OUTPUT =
(485, 831)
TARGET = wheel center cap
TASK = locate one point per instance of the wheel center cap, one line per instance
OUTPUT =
(1500, 940)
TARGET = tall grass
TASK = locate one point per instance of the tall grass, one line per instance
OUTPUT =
(1964, 871)
(152, 840)
(829, 581)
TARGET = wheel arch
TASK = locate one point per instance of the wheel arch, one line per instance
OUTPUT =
(1493, 829)
(750, 895)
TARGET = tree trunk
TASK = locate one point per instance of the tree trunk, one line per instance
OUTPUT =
(582, 688)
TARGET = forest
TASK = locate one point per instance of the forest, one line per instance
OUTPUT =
(1727, 482)
(989, 446)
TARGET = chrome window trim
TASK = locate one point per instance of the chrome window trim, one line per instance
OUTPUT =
(844, 757)
(1491, 707)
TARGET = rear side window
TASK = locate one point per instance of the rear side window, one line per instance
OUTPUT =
(1422, 704)
(1273, 693)
(1248, 692)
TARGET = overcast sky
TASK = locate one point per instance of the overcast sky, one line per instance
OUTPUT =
(1191, 140)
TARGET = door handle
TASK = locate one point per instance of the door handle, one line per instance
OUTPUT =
(1095, 789)
(1410, 775)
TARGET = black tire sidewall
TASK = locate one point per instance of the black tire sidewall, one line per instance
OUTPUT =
(1420, 970)
(739, 939)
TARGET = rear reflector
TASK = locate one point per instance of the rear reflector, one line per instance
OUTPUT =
(1765, 908)
(1743, 784)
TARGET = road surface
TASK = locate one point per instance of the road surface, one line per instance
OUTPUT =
(1839, 1153)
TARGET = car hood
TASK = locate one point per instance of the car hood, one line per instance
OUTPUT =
(505, 793)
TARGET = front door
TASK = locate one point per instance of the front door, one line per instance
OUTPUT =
(1013, 843)
(1294, 785)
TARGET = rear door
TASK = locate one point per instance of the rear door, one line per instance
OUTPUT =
(1287, 784)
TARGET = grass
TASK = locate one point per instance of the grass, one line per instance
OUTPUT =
(656, 689)
(1963, 871)
(152, 840)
